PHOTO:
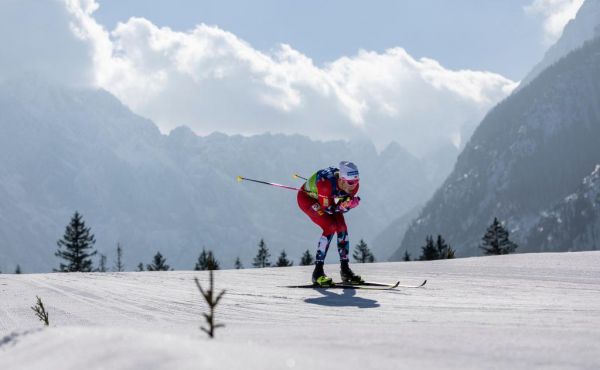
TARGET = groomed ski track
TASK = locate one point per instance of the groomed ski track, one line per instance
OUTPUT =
(522, 311)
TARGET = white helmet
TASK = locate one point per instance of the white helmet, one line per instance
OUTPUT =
(348, 171)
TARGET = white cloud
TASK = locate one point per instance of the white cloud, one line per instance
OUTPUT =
(38, 37)
(211, 80)
(556, 14)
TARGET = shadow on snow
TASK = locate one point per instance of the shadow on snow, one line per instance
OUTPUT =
(347, 298)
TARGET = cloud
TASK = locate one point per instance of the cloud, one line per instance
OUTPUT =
(38, 37)
(211, 80)
(556, 14)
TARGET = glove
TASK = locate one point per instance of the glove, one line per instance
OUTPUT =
(354, 202)
(348, 204)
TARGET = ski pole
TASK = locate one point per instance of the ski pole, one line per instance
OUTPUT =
(241, 178)
(296, 176)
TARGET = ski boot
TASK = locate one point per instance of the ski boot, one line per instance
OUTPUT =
(348, 276)
(319, 278)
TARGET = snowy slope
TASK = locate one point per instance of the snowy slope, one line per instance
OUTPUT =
(518, 311)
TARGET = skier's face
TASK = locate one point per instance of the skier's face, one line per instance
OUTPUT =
(347, 185)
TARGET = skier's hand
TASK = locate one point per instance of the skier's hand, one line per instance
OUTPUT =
(354, 202)
(348, 204)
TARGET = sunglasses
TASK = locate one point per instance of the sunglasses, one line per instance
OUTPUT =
(351, 182)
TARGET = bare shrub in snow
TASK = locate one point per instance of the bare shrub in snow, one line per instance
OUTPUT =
(212, 303)
(40, 311)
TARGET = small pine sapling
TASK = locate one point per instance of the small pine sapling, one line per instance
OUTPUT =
(212, 303)
(40, 311)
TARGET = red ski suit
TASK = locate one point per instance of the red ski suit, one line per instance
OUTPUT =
(330, 222)
(317, 201)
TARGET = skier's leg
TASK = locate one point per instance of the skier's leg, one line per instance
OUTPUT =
(322, 248)
(343, 244)
(325, 221)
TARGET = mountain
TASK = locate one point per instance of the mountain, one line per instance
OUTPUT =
(584, 27)
(64, 149)
(437, 165)
(530, 151)
(386, 243)
(574, 221)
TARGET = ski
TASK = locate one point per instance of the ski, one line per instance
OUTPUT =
(368, 286)
(413, 286)
(346, 286)
(365, 285)
(398, 285)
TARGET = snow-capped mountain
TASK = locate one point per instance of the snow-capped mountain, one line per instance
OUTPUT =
(574, 222)
(65, 149)
(529, 152)
(584, 27)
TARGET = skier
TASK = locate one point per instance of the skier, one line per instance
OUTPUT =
(325, 197)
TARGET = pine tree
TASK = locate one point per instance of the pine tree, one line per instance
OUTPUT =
(429, 250)
(238, 264)
(158, 264)
(451, 253)
(283, 260)
(362, 254)
(406, 256)
(102, 265)
(496, 241)
(18, 269)
(307, 259)
(140, 267)
(444, 250)
(119, 266)
(436, 251)
(78, 244)
(262, 257)
(206, 261)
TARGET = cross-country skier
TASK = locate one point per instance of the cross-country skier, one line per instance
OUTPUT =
(325, 197)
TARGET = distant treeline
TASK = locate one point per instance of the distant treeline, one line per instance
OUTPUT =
(76, 249)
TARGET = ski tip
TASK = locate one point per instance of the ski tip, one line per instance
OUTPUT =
(239, 178)
(295, 176)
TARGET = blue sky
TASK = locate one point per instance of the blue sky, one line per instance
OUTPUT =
(492, 35)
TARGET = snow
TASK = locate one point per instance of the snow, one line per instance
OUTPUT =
(518, 311)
